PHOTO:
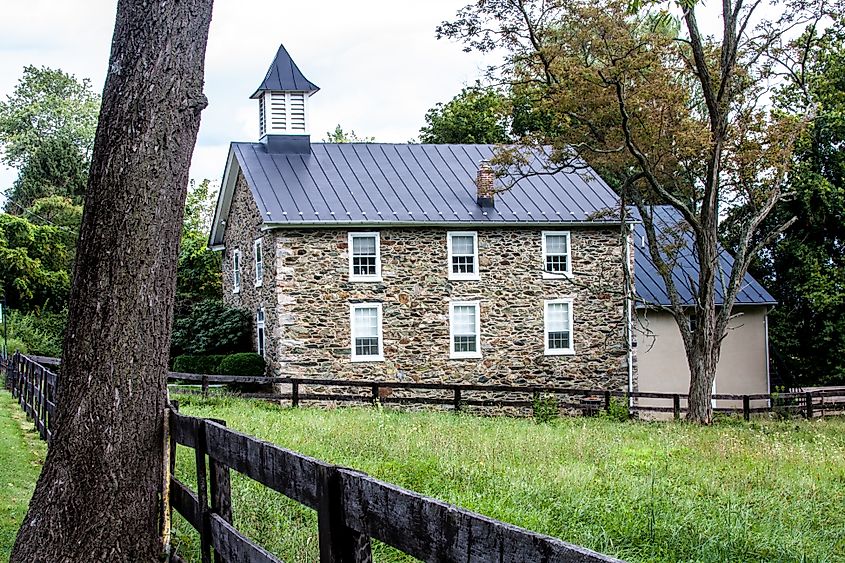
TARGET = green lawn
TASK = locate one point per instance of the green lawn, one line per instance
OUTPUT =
(764, 491)
(21, 456)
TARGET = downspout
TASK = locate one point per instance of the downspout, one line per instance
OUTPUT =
(629, 321)
(768, 374)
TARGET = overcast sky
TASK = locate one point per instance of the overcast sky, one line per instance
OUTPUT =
(377, 62)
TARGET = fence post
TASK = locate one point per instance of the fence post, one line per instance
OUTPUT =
(202, 494)
(456, 401)
(746, 408)
(221, 490)
(607, 400)
(808, 398)
(676, 406)
(294, 393)
(204, 386)
(338, 543)
(375, 395)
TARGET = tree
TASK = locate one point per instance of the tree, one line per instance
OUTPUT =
(47, 131)
(805, 268)
(198, 276)
(98, 496)
(341, 136)
(476, 115)
(680, 118)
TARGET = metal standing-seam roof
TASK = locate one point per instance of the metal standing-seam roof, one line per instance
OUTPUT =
(376, 183)
(284, 75)
(649, 282)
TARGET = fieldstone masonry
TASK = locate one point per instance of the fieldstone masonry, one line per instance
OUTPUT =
(306, 296)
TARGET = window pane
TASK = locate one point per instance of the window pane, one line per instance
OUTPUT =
(556, 244)
(465, 343)
(260, 316)
(366, 346)
(559, 340)
(261, 340)
(557, 317)
(364, 246)
(556, 263)
(462, 244)
(463, 264)
(366, 322)
(364, 265)
(464, 319)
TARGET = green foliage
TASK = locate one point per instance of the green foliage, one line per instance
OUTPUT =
(47, 128)
(657, 492)
(212, 328)
(618, 410)
(16, 345)
(198, 275)
(476, 115)
(39, 333)
(209, 365)
(248, 364)
(341, 136)
(805, 268)
(35, 262)
(545, 408)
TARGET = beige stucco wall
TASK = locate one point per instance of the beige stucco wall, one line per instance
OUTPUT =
(662, 364)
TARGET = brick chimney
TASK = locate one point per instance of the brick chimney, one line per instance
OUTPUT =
(484, 181)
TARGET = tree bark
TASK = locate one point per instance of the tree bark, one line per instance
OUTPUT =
(98, 495)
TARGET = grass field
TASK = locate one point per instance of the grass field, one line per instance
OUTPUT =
(760, 491)
(21, 455)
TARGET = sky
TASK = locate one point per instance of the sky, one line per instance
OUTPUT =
(377, 62)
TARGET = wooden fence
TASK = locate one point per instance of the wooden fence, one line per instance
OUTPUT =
(352, 507)
(816, 403)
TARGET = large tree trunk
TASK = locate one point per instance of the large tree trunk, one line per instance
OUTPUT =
(98, 495)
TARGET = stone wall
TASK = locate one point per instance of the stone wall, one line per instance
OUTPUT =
(306, 295)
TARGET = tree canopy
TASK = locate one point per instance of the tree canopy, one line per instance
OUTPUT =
(341, 136)
(47, 127)
(475, 115)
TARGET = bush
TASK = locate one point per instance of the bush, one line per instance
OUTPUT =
(208, 365)
(14, 345)
(38, 333)
(618, 410)
(211, 327)
(545, 408)
(247, 364)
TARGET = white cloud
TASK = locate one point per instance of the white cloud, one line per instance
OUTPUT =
(377, 62)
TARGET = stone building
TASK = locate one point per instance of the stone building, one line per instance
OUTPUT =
(409, 262)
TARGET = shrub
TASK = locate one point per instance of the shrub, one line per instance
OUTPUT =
(248, 364)
(14, 345)
(209, 365)
(39, 333)
(211, 327)
(618, 409)
(545, 408)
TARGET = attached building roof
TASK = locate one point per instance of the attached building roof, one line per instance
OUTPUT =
(649, 282)
(284, 75)
(376, 184)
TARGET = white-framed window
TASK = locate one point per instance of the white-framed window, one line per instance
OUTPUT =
(236, 271)
(260, 333)
(462, 249)
(464, 329)
(365, 328)
(558, 327)
(258, 253)
(557, 256)
(364, 257)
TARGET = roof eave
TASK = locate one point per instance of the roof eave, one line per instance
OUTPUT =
(422, 224)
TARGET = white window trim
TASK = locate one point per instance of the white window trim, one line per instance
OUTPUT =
(236, 271)
(259, 278)
(354, 357)
(261, 325)
(458, 276)
(558, 351)
(463, 355)
(359, 278)
(554, 275)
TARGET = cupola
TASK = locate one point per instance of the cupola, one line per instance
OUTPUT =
(283, 106)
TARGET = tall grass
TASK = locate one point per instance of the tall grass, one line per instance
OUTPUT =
(760, 491)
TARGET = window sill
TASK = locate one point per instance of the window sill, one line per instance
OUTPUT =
(236, 291)
(365, 280)
(458, 277)
(464, 355)
(555, 276)
(568, 352)
(360, 359)
(260, 284)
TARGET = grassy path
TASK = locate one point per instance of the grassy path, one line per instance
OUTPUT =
(21, 456)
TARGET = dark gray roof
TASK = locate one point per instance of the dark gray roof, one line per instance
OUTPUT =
(649, 283)
(375, 183)
(284, 75)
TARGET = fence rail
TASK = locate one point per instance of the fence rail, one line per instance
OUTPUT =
(810, 404)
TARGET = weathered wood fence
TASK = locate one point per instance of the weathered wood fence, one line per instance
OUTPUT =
(810, 404)
(352, 507)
